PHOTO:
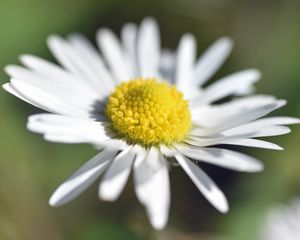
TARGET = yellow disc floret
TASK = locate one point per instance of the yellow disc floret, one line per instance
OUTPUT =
(149, 112)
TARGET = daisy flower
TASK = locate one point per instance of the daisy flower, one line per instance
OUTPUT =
(146, 110)
(282, 222)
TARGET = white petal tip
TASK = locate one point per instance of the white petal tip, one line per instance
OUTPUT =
(107, 198)
(57, 198)
(54, 39)
(53, 202)
(103, 31)
(75, 35)
(158, 227)
(106, 195)
(276, 147)
(188, 37)
(257, 168)
(256, 74)
(27, 59)
(253, 167)
(281, 103)
(24, 57)
(149, 20)
(159, 222)
(9, 88)
(227, 40)
(219, 201)
(9, 69)
(6, 86)
(223, 208)
(294, 121)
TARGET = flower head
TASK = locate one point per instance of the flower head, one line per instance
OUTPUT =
(282, 222)
(149, 112)
(141, 106)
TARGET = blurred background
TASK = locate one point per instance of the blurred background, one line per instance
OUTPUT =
(267, 37)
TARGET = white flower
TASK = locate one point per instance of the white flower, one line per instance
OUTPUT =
(282, 223)
(118, 102)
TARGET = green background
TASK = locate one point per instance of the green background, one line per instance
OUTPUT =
(267, 37)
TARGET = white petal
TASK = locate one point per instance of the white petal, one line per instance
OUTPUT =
(71, 138)
(282, 222)
(152, 186)
(42, 66)
(243, 131)
(62, 120)
(60, 50)
(231, 140)
(9, 88)
(146, 165)
(248, 142)
(67, 138)
(185, 61)
(82, 60)
(167, 65)
(278, 121)
(67, 129)
(81, 179)
(264, 125)
(248, 102)
(212, 59)
(238, 118)
(206, 186)
(256, 129)
(73, 60)
(237, 84)
(66, 85)
(218, 112)
(167, 150)
(113, 143)
(129, 40)
(116, 176)
(148, 48)
(223, 158)
(47, 70)
(272, 131)
(45, 101)
(140, 171)
(113, 53)
(62, 91)
(91, 56)
(60, 81)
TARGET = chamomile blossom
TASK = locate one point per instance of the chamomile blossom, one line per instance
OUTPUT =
(145, 108)
(282, 222)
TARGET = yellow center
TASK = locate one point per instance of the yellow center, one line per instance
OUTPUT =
(149, 112)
